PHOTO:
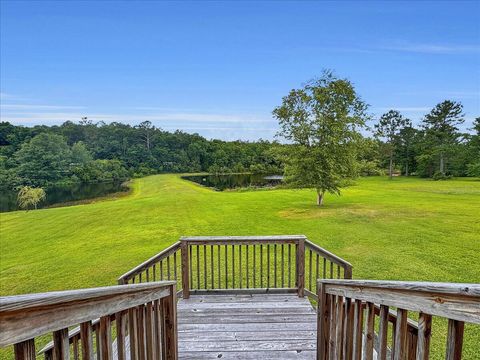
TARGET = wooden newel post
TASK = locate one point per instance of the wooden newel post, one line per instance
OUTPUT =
(322, 322)
(300, 267)
(185, 270)
(169, 309)
(347, 272)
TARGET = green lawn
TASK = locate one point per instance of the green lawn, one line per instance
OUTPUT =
(404, 229)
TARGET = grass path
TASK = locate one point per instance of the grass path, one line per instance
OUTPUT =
(408, 229)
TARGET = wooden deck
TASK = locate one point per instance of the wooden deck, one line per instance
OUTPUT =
(259, 326)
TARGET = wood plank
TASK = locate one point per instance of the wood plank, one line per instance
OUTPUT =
(369, 332)
(253, 345)
(357, 330)
(250, 355)
(246, 335)
(105, 338)
(204, 312)
(383, 333)
(242, 319)
(400, 351)
(249, 327)
(120, 321)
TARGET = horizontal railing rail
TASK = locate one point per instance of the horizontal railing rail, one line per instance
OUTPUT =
(142, 314)
(345, 307)
(242, 264)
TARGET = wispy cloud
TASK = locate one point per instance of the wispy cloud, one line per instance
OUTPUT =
(434, 48)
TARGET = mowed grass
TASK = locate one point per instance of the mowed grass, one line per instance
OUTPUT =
(400, 229)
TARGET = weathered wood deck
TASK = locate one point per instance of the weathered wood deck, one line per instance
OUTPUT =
(252, 326)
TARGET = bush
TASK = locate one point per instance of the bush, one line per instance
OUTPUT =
(473, 169)
(440, 176)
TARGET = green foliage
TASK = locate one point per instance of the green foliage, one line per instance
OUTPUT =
(30, 197)
(321, 120)
(474, 169)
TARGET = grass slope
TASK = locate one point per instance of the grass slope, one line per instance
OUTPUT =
(408, 229)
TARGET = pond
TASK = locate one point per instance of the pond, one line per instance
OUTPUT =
(235, 181)
(65, 194)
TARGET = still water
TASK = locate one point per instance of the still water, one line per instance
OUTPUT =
(234, 181)
(64, 194)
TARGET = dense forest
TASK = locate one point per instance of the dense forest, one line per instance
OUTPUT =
(89, 152)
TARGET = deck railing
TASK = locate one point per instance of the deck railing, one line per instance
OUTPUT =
(144, 315)
(347, 315)
(242, 264)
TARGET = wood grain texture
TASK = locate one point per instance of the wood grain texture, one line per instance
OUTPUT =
(25, 350)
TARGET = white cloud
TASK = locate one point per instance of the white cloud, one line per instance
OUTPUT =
(434, 48)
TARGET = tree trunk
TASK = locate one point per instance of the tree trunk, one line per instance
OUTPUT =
(406, 168)
(390, 171)
(320, 197)
(442, 164)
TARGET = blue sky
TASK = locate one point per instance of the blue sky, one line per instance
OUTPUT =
(219, 68)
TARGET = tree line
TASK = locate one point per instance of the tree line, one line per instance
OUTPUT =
(41, 156)
(325, 123)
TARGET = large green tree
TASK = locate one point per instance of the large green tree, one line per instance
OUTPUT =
(441, 130)
(321, 121)
(44, 159)
(388, 129)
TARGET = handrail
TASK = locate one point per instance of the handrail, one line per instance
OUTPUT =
(148, 263)
(340, 316)
(327, 254)
(25, 317)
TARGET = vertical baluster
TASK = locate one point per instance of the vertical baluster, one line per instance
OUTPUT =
(186, 268)
(191, 264)
(205, 266)
(157, 325)
(316, 273)
(211, 267)
(226, 266)
(454, 340)
(357, 330)
(149, 332)
(120, 322)
(233, 266)
(331, 270)
(140, 278)
(147, 272)
(348, 329)
(86, 340)
(338, 272)
(254, 265)
(133, 333)
(268, 265)
(219, 270)
(141, 331)
(424, 332)
(96, 328)
(333, 326)
(369, 332)
(282, 265)
(339, 327)
(61, 345)
(383, 333)
(289, 265)
(240, 263)
(324, 268)
(275, 265)
(25, 350)
(261, 265)
(161, 269)
(168, 267)
(154, 270)
(175, 264)
(246, 266)
(310, 270)
(105, 338)
(401, 335)
(198, 267)
(323, 322)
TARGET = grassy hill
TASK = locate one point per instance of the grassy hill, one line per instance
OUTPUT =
(408, 229)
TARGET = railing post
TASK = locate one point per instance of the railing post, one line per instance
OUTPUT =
(300, 266)
(185, 269)
(347, 272)
(169, 307)
(322, 323)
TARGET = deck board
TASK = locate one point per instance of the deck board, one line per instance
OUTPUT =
(253, 326)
